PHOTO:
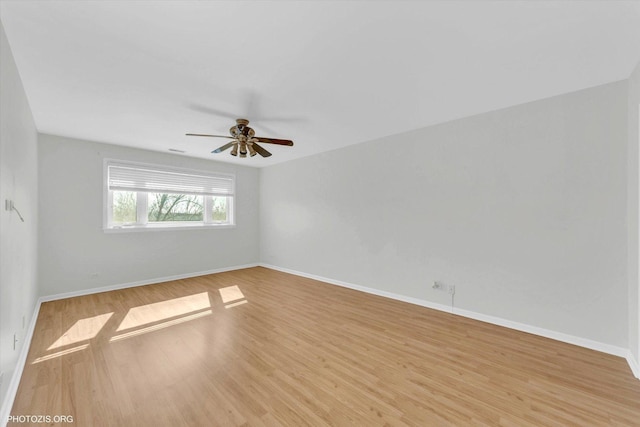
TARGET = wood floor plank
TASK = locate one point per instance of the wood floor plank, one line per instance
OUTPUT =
(257, 347)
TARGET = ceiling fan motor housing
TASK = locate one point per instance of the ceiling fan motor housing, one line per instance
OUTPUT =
(244, 141)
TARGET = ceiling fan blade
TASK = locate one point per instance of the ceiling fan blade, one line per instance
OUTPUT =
(260, 150)
(213, 136)
(274, 141)
(212, 111)
(224, 147)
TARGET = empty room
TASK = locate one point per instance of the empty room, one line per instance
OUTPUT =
(322, 213)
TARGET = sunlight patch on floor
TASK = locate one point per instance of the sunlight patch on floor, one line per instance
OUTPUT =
(163, 310)
(82, 330)
(159, 326)
(230, 293)
(236, 304)
(144, 319)
(60, 353)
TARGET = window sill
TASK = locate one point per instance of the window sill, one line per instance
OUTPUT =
(164, 227)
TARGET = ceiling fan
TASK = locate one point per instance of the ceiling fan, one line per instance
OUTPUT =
(244, 140)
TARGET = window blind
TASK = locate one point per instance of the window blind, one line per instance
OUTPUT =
(148, 179)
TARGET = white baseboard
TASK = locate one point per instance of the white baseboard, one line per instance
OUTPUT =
(558, 336)
(633, 364)
(142, 283)
(7, 403)
(547, 333)
(9, 398)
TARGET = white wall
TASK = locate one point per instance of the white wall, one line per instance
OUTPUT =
(76, 254)
(18, 240)
(633, 193)
(522, 209)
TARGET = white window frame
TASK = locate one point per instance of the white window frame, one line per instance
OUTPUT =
(142, 223)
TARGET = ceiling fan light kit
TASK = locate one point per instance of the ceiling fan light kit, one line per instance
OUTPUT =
(244, 141)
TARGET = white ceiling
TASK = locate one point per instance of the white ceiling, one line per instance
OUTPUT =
(325, 74)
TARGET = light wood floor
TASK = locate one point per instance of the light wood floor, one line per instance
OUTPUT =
(259, 347)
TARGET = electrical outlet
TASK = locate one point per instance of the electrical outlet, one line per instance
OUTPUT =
(15, 341)
(442, 287)
(7, 205)
(1, 378)
(23, 322)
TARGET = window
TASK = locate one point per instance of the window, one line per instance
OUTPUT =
(140, 196)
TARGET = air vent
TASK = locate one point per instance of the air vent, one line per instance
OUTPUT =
(176, 151)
